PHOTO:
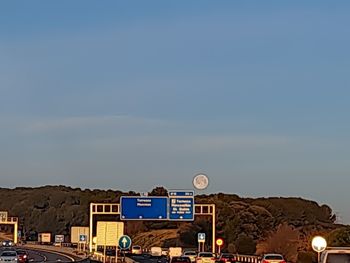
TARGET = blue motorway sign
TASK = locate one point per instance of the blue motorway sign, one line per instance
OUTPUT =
(124, 242)
(181, 205)
(143, 208)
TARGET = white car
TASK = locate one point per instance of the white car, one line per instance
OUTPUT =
(273, 258)
(136, 250)
(205, 257)
(8, 256)
(190, 254)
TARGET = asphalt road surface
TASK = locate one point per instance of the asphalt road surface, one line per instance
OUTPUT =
(146, 258)
(45, 256)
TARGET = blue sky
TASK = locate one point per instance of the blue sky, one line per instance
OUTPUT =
(129, 95)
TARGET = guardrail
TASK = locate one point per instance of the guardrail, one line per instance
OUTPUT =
(248, 259)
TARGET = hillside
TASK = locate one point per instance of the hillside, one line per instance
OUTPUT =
(57, 208)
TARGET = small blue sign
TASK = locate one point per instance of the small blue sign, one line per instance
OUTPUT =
(124, 242)
(201, 237)
(182, 193)
(82, 238)
(143, 208)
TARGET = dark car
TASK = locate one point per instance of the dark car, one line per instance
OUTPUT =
(180, 260)
(227, 257)
(23, 256)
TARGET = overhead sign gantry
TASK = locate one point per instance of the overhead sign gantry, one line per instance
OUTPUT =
(178, 206)
(6, 220)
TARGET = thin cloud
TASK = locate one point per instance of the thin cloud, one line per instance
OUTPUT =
(75, 123)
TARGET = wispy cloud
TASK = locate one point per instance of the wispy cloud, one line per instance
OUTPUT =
(76, 123)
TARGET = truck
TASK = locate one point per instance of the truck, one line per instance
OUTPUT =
(156, 251)
(44, 238)
(174, 252)
(335, 255)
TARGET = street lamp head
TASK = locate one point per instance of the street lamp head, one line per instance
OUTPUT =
(319, 244)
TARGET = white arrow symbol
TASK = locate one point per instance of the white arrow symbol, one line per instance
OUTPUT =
(124, 241)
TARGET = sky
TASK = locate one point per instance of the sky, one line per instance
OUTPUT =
(128, 95)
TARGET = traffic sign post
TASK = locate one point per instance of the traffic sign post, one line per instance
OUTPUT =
(59, 239)
(124, 243)
(201, 241)
(219, 242)
(82, 242)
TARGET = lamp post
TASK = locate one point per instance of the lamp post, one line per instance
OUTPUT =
(319, 244)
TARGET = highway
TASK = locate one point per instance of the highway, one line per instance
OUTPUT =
(146, 258)
(46, 256)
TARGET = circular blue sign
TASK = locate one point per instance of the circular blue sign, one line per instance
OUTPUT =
(124, 242)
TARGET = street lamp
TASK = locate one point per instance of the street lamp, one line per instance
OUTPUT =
(319, 244)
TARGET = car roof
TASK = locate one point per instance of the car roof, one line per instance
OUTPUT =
(273, 255)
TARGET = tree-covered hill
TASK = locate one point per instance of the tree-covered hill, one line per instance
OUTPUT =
(56, 208)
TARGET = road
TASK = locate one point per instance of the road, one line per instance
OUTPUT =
(146, 258)
(46, 256)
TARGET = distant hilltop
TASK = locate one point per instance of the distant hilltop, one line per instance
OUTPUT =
(56, 208)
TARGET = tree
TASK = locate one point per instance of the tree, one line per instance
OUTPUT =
(159, 191)
(339, 237)
(284, 241)
(245, 245)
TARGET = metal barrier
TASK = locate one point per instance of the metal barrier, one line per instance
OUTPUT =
(248, 259)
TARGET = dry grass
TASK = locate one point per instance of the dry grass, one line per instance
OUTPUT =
(154, 238)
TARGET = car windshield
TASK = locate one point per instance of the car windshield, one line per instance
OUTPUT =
(338, 258)
(206, 255)
(227, 256)
(8, 254)
(136, 247)
(190, 253)
(21, 252)
(274, 257)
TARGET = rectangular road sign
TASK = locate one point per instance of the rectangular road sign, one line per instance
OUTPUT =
(109, 233)
(181, 208)
(180, 193)
(76, 231)
(3, 216)
(201, 237)
(143, 208)
(181, 205)
(59, 238)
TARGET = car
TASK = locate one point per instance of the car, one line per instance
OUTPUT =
(190, 254)
(180, 260)
(8, 256)
(335, 254)
(273, 258)
(136, 250)
(227, 257)
(8, 243)
(23, 256)
(205, 257)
